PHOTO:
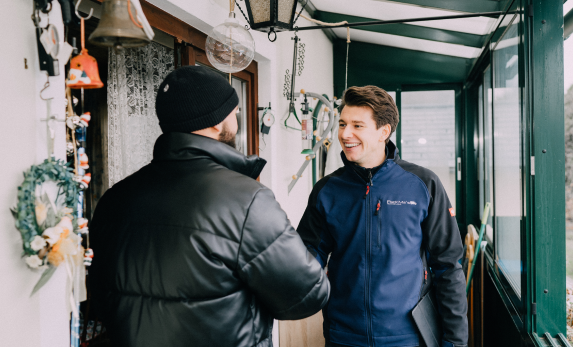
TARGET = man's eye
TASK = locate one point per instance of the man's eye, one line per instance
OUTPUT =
(358, 126)
(341, 125)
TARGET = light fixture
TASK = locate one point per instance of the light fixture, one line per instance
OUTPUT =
(229, 46)
(271, 15)
(422, 141)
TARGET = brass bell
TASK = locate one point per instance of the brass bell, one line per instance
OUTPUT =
(119, 26)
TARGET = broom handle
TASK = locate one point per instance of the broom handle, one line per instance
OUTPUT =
(481, 231)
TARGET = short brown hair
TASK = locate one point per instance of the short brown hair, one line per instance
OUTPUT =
(383, 106)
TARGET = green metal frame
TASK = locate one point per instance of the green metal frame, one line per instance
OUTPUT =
(541, 308)
(545, 45)
(391, 67)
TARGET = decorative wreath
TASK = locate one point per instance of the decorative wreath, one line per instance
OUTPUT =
(49, 234)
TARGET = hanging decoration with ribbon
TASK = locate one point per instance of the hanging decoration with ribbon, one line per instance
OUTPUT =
(84, 71)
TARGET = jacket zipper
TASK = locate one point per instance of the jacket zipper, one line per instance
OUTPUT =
(377, 213)
(368, 259)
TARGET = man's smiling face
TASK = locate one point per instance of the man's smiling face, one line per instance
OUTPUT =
(361, 142)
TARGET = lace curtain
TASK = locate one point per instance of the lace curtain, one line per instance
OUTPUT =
(134, 77)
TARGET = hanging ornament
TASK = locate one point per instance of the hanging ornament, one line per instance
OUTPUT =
(69, 149)
(85, 119)
(230, 47)
(83, 158)
(84, 72)
(88, 257)
(85, 181)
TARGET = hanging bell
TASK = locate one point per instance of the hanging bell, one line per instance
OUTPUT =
(84, 72)
(119, 26)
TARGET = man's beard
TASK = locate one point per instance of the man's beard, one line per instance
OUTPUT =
(227, 137)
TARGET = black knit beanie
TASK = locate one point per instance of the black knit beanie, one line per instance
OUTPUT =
(193, 98)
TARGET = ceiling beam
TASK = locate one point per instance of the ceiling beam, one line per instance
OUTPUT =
(407, 30)
(389, 67)
(471, 6)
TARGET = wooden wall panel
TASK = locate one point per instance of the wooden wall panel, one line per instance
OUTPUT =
(302, 333)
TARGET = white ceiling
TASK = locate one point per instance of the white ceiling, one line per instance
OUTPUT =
(382, 10)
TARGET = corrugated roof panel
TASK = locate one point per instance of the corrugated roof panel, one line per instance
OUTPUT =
(409, 43)
(387, 11)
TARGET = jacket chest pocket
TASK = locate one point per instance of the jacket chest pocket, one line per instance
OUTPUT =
(396, 222)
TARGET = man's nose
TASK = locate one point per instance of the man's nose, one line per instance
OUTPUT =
(345, 133)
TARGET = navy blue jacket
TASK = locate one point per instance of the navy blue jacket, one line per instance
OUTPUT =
(390, 232)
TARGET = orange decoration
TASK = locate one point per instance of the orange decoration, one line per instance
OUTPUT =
(84, 72)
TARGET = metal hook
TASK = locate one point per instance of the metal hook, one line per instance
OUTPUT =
(46, 86)
(78, 14)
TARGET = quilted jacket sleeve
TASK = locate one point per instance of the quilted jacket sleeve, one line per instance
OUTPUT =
(274, 263)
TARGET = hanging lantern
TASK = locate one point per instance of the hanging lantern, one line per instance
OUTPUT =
(84, 72)
(229, 46)
(271, 15)
(122, 25)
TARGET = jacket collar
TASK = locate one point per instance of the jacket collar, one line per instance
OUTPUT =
(391, 154)
(184, 146)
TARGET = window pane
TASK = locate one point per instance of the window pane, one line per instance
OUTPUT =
(480, 147)
(241, 138)
(428, 134)
(507, 155)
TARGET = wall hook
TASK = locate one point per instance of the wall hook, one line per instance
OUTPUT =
(46, 86)
(78, 14)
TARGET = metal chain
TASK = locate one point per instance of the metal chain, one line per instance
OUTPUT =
(286, 87)
(302, 9)
(300, 58)
(243, 13)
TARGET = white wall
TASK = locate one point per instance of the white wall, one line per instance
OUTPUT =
(40, 320)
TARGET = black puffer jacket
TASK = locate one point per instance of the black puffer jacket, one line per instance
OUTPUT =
(192, 251)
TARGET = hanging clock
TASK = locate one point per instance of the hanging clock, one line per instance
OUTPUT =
(268, 121)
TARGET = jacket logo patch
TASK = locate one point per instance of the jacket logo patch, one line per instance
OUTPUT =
(452, 212)
(391, 202)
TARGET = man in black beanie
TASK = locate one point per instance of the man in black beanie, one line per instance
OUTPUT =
(191, 250)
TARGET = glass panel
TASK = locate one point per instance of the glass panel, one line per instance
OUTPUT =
(480, 151)
(393, 136)
(507, 155)
(285, 10)
(488, 151)
(428, 134)
(261, 10)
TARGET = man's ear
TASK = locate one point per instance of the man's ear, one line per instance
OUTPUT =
(386, 129)
(218, 128)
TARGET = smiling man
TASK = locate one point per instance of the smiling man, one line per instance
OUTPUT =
(390, 231)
